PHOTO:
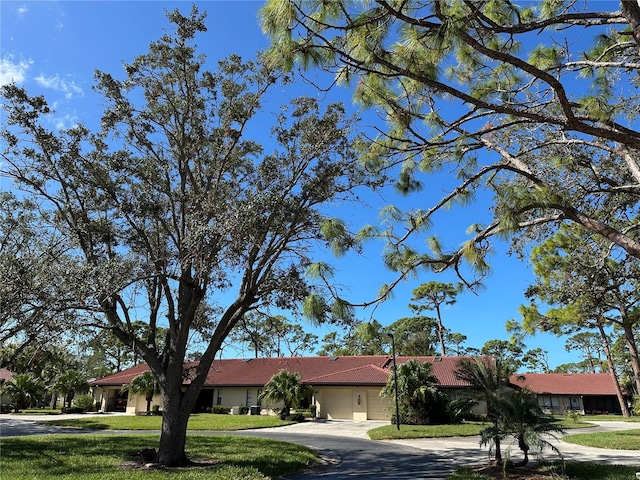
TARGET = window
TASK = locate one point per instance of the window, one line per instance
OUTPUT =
(248, 404)
(575, 403)
(219, 400)
(550, 402)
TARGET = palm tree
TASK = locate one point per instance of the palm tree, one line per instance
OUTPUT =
(285, 387)
(70, 383)
(512, 413)
(522, 419)
(145, 384)
(24, 389)
(420, 400)
(491, 379)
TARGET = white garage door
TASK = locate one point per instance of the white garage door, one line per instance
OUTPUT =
(378, 408)
(337, 403)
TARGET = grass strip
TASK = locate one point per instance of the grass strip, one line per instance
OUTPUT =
(105, 457)
(466, 429)
(390, 432)
(620, 440)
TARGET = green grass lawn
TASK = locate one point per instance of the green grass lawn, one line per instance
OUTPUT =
(610, 418)
(622, 440)
(201, 421)
(39, 411)
(390, 432)
(572, 471)
(100, 457)
(467, 429)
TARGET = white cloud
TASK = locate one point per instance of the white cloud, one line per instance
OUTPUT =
(68, 87)
(22, 10)
(64, 121)
(13, 71)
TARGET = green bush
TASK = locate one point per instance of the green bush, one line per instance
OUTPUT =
(85, 403)
(220, 409)
(155, 410)
(72, 410)
(243, 410)
(312, 411)
(296, 417)
(636, 405)
(572, 415)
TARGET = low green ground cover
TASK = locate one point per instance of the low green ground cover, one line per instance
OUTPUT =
(390, 432)
(621, 440)
(201, 421)
(466, 429)
(610, 418)
(556, 471)
(111, 457)
(39, 411)
(568, 423)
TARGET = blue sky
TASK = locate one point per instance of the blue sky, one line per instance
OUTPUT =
(53, 48)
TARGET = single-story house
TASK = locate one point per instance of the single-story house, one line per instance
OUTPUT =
(585, 393)
(346, 387)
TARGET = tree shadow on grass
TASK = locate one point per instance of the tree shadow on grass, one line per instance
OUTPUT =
(89, 423)
(103, 456)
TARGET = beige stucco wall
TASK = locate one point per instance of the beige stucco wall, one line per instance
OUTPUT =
(103, 395)
(359, 406)
(138, 404)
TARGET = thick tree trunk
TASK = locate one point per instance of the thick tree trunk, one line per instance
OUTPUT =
(612, 371)
(173, 436)
(631, 11)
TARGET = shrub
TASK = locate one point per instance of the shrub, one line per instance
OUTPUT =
(296, 417)
(243, 410)
(572, 415)
(85, 403)
(72, 410)
(636, 405)
(312, 411)
(155, 410)
(220, 409)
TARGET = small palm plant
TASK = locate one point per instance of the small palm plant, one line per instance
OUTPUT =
(489, 377)
(70, 383)
(285, 387)
(144, 384)
(512, 412)
(522, 419)
(24, 389)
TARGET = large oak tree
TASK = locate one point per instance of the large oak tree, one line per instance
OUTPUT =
(174, 215)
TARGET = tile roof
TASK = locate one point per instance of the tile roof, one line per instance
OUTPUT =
(122, 378)
(566, 383)
(345, 370)
(367, 374)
